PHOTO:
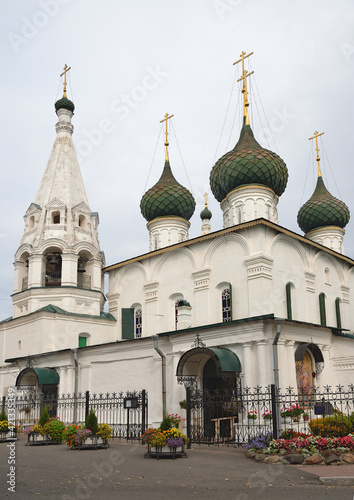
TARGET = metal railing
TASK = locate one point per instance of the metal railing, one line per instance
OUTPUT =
(127, 421)
(221, 416)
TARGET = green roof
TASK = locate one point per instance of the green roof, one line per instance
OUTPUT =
(248, 163)
(322, 210)
(59, 310)
(167, 198)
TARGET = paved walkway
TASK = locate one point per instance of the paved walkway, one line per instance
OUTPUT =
(223, 473)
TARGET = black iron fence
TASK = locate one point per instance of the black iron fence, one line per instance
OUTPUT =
(229, 416)
(126, 413)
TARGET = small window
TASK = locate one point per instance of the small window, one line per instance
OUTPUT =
(56, 217)
(239, 216)
(31, 222)
(155, 243)
(81, 220)
(288, 301)
(82, 341)
(338, 315)
(322, 309)
(138, 323)
(226, 304)
(176, 313)
(327, 276)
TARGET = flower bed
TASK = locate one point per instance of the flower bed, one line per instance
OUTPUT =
(49, 433)
(301, 448)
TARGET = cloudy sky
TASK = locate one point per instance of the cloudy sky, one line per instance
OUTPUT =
(133, 61)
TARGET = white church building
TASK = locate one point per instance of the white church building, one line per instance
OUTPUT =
(232, 289)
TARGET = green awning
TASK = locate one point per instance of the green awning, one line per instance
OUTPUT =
(44, 376)
(229, 361)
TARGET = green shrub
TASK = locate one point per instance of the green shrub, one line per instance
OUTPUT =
(3, 416)
(43, 419)
(337, 426)
(91, 421)
(166, 423)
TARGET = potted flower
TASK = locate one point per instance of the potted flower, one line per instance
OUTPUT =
(38, 435)
(8, 430)
(232, 407)
(305, 416)
(252, 415)
(54, 428)
(267, 415)
(164, 441)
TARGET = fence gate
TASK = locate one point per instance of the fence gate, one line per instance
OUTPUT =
(212, 415)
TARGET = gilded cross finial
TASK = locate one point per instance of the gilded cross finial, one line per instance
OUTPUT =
(167, 117)
(315, 136)
(66, 69)
(206, 200)
(244, 91)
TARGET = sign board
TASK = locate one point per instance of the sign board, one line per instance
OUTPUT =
(131, 402)
(323, 408)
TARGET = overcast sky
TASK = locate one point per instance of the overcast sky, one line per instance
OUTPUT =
(133, 61)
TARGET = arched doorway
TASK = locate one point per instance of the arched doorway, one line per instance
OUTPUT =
(38, 388)
(212, 380)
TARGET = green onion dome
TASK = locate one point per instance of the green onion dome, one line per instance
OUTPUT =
(322, 210)
(206, 214)
(64, 103)
(167, 198)
(248, 163)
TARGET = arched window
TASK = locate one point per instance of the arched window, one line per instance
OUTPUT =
(31, 222)
(226, 304)
(138, 323)
(177, 303)
(338, 315)
(322, 309)
(289, 312)
(53, 269)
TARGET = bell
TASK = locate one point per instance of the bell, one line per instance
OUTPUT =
(53, 260)
(81, 266)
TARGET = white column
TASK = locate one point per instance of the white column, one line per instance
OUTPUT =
(325, 377)
(263, 379)
(36, 266)
(282, 363)
(289, 346)
(247, 366)
(69, 269)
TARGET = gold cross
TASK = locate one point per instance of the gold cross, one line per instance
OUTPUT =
(316, 135)
(244, 91)
(66, 69)
(206, 199)
(167, 117)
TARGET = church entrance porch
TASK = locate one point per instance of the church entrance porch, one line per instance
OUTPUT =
(213, 387)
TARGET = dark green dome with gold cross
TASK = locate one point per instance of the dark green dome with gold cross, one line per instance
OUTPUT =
(167, 198)
(248, 163)
(322, 210)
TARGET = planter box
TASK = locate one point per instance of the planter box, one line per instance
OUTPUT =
(165, 452)
(35, 439)
(92, 442)
(7, 436)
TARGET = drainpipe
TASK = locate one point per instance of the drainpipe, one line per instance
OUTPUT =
(163, 366)
(278, 322)
(76, 384)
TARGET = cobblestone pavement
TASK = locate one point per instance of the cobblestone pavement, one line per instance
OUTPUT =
(121, 471)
